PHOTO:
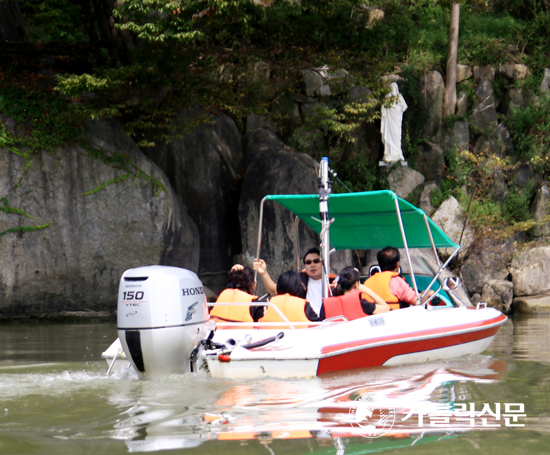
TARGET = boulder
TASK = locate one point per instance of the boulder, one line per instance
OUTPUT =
(429, 161)
(310, 141)
(254, 121)
(274, 168)
(531, 272)
(375, 16)
(403, 180)
(454, 137)
(389, 78)
(484, 72)
(463, 72)
(287, 111)
(311, 110)
(513, 99)
(497, 143)
(486, 260)
(484, 113)
(98, 220)
(498, 294)
(514, 71)
(461, 104)
(360, 94)
(545, 84)
(316, 81)
(534, 304)
(525, 176)
(540, 210)
(450, 218)
(339, 81)
(502, 140)
(205, 167)
(259, 71)
(426, 197)
(432, 88)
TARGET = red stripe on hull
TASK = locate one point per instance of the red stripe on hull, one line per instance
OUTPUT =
(378, 355)
(421, 333)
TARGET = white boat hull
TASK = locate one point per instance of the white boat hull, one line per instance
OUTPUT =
(412, 335)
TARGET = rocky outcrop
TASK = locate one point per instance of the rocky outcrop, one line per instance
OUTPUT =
(498, 294)
(530, 271)
(487, 260)
(484, 112)
(426, 197)
(533, 304)
(98, 220)
(205, 167)
(540, 211)
(273, 168)
(430, 161)
(454, 137)
(450, 218)
(487, 72)
(514, 71)
(403, 180)
(545, 84)
(432, 88)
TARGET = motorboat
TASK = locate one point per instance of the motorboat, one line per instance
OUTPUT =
(167, 329)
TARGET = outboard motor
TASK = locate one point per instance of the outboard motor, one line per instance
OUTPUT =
(162, 315)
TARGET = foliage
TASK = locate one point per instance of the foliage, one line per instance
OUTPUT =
(206, 52)
(484, 186)
(56, 20)
(530, 132)
(489, 39)
(25, 229)
(6, 208)
(44, 121)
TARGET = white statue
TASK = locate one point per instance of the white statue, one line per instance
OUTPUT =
(392, 118)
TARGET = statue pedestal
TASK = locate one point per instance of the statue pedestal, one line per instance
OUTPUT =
(390, 163)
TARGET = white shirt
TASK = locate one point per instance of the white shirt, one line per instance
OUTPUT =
(315, 293)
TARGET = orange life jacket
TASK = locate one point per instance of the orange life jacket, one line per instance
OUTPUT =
(380, 284)
(233, 313)
(348, 305)
(292, 307)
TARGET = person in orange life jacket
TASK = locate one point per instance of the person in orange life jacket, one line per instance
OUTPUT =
(348, 282)
(311, 278)
(389, 284)
(241, 285)
(289, 300)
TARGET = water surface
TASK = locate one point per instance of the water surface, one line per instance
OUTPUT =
(56, 398)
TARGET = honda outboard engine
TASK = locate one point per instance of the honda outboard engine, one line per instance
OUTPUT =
(162, 315)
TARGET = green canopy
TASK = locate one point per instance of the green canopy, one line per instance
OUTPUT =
(367, 220)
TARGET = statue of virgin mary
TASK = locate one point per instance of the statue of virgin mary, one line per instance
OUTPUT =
(392, 118)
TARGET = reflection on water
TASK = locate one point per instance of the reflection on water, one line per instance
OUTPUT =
(55, 398)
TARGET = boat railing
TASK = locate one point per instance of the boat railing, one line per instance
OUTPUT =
(259, 325)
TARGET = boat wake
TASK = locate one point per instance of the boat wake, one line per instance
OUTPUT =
(331, 407)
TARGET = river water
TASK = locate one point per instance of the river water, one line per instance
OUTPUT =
(56, 398)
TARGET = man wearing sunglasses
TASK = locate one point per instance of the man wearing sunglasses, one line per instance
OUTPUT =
(311, 276)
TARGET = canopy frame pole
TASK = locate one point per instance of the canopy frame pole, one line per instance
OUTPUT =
(441, 268)
(325, 187)
(405, 245)
(259, 238)
(296, 220)
(432, 240)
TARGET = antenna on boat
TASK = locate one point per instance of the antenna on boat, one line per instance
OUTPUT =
(325, 188)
